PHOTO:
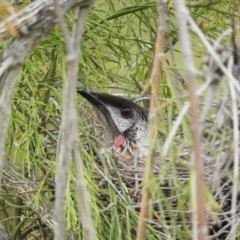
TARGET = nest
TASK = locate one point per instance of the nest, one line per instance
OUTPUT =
(171, 206)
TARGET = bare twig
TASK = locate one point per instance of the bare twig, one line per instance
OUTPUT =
(155, 88)
(178, 121)
(69, 132)
(83, 200)
(199, 212)
(211, 51)
(65, 32)
(33, 16)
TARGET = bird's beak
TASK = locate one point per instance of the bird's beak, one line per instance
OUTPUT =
(91, 97)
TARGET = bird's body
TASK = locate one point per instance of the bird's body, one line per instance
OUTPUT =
(125, 126)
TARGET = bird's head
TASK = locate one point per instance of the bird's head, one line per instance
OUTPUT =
(125, 123)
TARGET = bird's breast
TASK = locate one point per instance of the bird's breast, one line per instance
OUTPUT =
(130, 153)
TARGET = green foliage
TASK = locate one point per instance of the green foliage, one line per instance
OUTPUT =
(116, 57)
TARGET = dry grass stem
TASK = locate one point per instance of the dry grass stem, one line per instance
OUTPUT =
(155, 79)
(199, 211)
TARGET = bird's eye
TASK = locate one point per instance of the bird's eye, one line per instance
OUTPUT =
(126, 112)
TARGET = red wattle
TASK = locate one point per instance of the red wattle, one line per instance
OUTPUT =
(119, 141)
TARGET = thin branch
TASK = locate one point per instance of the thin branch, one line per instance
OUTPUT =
(83, 200)
(63, 26)
(69, 132)
(211, 51)
(178, 121)
(23, 22)
(155, 79)
(199, 211)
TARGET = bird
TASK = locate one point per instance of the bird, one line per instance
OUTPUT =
(125, 125)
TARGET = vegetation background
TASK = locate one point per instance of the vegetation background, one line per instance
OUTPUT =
(116, 55)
